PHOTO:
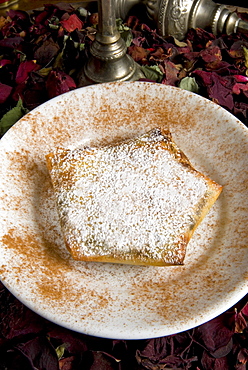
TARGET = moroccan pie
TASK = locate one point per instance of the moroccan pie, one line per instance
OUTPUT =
(135, 202)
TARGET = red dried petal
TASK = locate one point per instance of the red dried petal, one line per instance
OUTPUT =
(238, 87)
(11, 42)
(40, 353)
(68, 8)
(46, 52)
(67, 363)
(19, 15)
(236, 50)
(158, 54)
(19, 91)
(206, 77)
(240, 322)
(16, 320)
(4, 62)
(211, 54)
(138, 53)
(216, 333)
(245, 310)
(241, 78)
(209, 362)
(72, 23)
(75, 343)
(242, 356)
(24, 70)
(41, 17)
(219, 88)
(5, 91)
(171, 73)
(96, 360)
(58, 83)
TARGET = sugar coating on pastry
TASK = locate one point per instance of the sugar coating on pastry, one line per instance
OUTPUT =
(135, 202)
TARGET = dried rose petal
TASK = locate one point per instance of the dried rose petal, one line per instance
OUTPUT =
(211, 54)
(18, 92)
(75, 343)
(68, 363)
(18, 15)
(240, 322)
(5, 92)
(199, 38)
(219, 88)
(72, 23)
(243, 356)
(24, 70)
(4, 21)
(58, 83)
(158, 54)
(170, 73)
(40, 353)
(138, 53)
(96, 360)
(4, 62)
(236, 50)
(241, 78)
(64, 7)
(238, 87)
(46, 52)
(211, 363)
(245, 310)
(16, 320)
(240, 110)
(94, 19)
(216, 333)
(206, 77)
(11, 42)
(41, 17)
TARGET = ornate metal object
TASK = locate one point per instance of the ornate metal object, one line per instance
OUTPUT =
(109, 60)
(175, 17)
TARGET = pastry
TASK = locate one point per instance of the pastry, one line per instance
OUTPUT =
(135, 202)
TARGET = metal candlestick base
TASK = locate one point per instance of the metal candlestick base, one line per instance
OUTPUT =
(108, 60)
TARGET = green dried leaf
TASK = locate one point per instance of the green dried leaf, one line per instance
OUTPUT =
(45, 71)
(53, 26)
(246, 56)
(152, 73)
(125, 32)
(22, 57)
(190, 84)
(58, 63)
(12, 116)
(127, 37)
(60, 350)
(181, 44)
(83, 12)
(121, 26)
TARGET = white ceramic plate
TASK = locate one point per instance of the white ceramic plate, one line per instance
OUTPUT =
(120, 301)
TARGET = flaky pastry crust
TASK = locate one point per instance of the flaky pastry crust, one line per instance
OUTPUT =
(137, 202)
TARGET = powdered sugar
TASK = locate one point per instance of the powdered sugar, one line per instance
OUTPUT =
(133, 199)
